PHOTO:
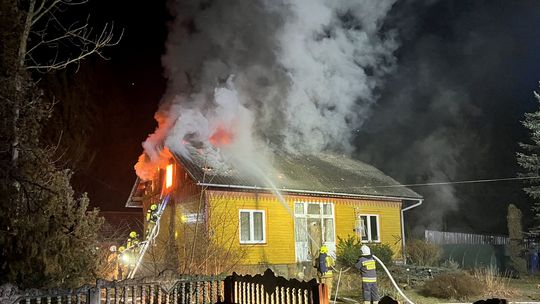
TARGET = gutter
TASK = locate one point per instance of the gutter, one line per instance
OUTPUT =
(403, 248)
(396, 198)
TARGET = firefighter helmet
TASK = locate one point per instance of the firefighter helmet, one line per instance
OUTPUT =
(365, 250)
(121, 249)
(153, 207)
(324, 249)
(133, 234)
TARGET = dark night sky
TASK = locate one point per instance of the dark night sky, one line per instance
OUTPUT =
(451, 110)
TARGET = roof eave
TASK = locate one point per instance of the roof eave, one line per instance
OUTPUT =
(311, 192)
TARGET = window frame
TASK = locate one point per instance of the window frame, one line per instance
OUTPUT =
(252, 226)
(368, 225)
(321, 216)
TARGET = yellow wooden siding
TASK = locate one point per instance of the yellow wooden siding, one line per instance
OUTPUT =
(280, 246)
(389, 216)
(224, 219)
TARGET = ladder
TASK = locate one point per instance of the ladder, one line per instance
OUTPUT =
(143, 246)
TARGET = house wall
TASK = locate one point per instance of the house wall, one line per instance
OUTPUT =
(215, 232)
(389, 214)
(170, 246)
(280, 244)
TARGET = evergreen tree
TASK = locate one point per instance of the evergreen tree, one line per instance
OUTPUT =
(530, 161)
(48, 237)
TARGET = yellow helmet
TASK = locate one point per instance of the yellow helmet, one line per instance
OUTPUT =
(132, 234)
(121, 249)
(324, 249)
(153, 207)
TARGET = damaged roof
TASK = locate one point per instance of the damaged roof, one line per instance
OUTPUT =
(323, 174)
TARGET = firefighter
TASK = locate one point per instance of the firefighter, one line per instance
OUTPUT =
(151, 214)
(324, 266)
(151, 219)
(366, 265)
(133, 240)
(122, 256)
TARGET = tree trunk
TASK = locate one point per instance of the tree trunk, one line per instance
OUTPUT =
(19, 83)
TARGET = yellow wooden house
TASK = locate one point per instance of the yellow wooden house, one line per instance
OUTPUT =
(217, 220)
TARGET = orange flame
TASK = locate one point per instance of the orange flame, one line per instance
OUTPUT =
(169, 176)
(221, 137)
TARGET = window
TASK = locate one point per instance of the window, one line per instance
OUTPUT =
(252, 227)
(308, 214)
(367, 227)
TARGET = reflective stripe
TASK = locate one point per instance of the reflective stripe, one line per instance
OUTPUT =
(370, 265)
(369, 280)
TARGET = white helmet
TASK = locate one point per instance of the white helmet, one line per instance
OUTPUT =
(365, 250)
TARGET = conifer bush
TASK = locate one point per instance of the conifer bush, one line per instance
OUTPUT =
(348, 251)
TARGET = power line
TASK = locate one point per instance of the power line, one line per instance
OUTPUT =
(474, 181)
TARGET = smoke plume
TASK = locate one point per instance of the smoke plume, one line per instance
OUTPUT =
(246, 76)
(451, 110)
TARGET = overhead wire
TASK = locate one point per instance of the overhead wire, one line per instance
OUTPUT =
(473, 181)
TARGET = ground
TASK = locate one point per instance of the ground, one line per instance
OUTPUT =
(528, 288)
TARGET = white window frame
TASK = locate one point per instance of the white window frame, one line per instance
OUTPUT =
(368, 225)
(321, 217)
(251, 226)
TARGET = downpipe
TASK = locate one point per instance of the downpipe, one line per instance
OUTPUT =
(392, 279)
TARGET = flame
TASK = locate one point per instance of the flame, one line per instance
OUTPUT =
(169, 176)
(147, 165)
(221, 137)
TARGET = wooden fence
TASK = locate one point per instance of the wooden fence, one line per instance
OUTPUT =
(161, 290)
(171, 289)
(444, 238)
(269, 289)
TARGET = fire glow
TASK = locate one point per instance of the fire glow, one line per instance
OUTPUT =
(221, 137)
(169, 176)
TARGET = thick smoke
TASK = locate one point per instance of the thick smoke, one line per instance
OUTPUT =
(451, 110)
(295, 75)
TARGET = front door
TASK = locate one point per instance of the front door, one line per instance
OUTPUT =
(313, 226)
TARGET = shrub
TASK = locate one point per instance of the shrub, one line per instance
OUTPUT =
(420, 252)
(348, 251)
(384, 252)
(454, 285)
(494, 284)
(451, 264)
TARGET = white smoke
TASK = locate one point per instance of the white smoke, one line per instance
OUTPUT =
(305, 74)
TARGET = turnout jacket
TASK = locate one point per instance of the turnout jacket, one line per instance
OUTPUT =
(366, 265)
(324, 265)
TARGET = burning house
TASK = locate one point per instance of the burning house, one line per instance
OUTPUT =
(248, 116)
(218, 218)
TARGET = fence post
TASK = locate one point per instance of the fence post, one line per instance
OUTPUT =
(228, 289)
(94, 295)
(319, 294)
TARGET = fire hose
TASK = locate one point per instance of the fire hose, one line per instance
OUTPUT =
(392, 279)
(387, 272)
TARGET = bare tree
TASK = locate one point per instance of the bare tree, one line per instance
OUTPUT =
(50, 41)
(216, 251)
(49, 234)
(45, 29)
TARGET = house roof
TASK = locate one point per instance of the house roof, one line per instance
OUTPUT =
(322, 174)
(135, 197)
